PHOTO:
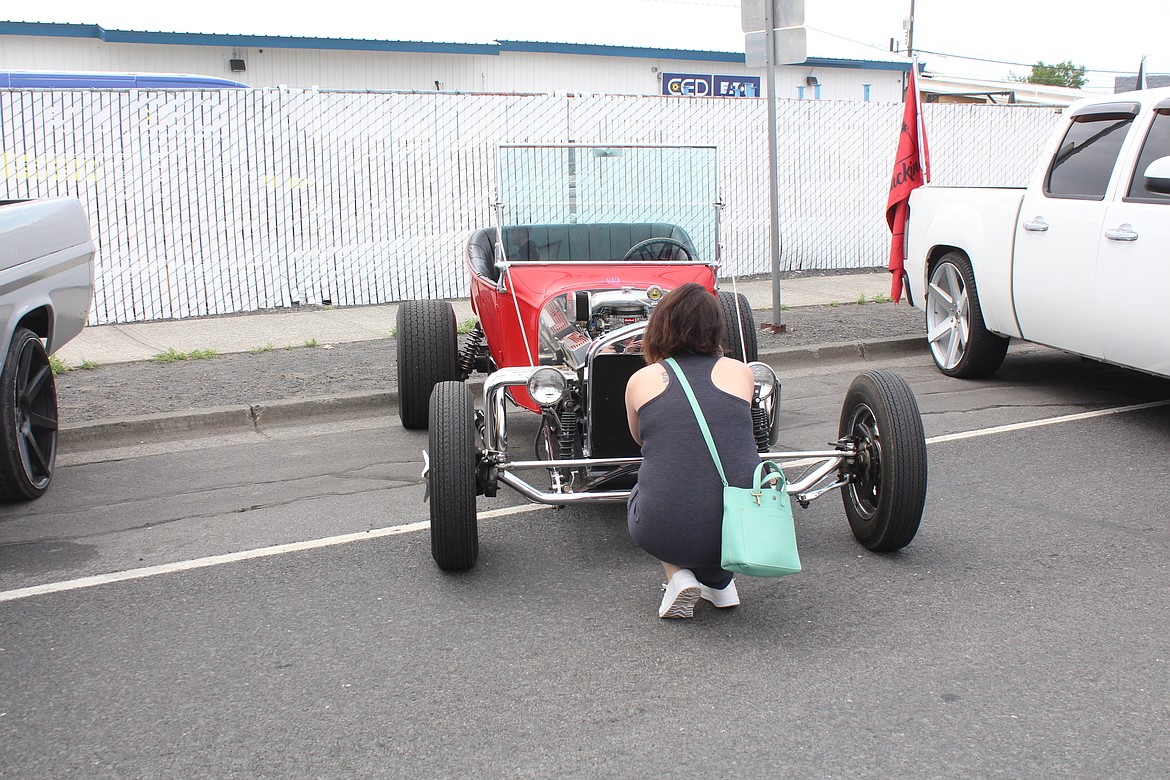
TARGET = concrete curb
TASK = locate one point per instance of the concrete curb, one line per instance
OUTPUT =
(255, 418)
(842, 352)
(247, 418)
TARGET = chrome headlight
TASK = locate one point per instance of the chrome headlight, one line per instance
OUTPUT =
(547, 386)
(765, 379)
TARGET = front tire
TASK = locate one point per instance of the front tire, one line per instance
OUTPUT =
(28, 418)
(454, 526)
(887, 491)
(428, 353)
(960, 343)
(748, 349)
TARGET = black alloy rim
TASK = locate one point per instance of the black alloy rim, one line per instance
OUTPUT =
(36, 414)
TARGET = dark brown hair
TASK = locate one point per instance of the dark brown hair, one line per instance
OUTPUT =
(688, 321)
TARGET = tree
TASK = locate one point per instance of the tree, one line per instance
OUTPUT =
(1063, 74)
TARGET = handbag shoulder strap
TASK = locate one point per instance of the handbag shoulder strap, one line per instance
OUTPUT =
(686, 386)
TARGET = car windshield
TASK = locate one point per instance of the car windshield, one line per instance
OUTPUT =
(594, 185)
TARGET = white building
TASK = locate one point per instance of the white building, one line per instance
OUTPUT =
(835, 69)
(939, 88)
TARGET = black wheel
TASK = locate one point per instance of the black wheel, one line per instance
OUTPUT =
(731, 343)
(669, 250)
(885, 498)
(960, 343)
(28, 416)
(428, 353)
(454, 529)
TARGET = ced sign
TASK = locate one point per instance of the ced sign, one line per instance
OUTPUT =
(688, 84)
(706, 85)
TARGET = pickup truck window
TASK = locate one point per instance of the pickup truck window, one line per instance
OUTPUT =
(1157, 144)
(1085, 160)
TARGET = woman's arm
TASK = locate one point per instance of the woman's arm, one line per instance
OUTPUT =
(632, 413)
(646, 383)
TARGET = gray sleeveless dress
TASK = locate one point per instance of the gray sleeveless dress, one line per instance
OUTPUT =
(676, 509)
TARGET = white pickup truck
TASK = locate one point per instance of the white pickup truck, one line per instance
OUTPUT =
(1079, 260)
(46, 286)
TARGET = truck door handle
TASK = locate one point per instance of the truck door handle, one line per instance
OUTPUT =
(1037, 225)
(1123, 232)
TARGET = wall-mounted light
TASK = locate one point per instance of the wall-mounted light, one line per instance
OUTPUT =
(812, 81)
(237, 65)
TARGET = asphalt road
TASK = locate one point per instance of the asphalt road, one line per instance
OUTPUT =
(1023, 632)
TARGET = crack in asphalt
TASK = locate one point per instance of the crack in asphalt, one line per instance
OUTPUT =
(193, 516)
(1073, 517)
(378, 483)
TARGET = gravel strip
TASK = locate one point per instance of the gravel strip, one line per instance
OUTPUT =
(301, 373)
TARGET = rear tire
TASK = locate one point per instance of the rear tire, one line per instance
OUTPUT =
(885, 498)
(28, 419)
(747, 350)
(454, 526)
(960, 343)
(428, 353)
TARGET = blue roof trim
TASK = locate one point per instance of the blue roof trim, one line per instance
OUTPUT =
(46, 29)
(829, 62)
(21, 79)
(250, 41)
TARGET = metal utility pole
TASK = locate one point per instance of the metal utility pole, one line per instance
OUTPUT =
(774, 34)
(773, 162)
(910, 32)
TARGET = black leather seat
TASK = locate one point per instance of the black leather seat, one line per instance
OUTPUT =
(604, 241)
(482, 254)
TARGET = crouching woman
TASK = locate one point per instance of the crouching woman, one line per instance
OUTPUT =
(676, 509)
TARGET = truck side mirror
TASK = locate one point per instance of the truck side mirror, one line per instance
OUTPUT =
(1158, 176)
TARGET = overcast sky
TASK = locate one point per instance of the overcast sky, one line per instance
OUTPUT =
(1111, 37)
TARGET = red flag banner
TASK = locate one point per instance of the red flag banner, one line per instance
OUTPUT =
(911, 170)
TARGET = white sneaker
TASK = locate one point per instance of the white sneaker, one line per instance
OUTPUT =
(728, 597)
(681, 593)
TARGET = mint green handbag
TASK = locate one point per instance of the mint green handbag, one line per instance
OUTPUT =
(759, 537)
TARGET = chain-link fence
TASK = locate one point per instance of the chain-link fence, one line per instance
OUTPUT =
(209, 202)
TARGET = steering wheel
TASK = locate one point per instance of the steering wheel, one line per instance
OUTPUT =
(640, 250)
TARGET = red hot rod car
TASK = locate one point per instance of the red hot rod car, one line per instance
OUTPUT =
(586, 241)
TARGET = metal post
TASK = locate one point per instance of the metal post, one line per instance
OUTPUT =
(773, 164)
(910, 33)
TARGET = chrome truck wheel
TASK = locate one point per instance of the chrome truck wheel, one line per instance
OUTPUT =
(959, 342)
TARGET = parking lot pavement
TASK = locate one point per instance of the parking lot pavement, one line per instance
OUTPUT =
(1021, 633)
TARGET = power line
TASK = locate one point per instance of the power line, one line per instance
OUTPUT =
(963, 56)
(1018, 64)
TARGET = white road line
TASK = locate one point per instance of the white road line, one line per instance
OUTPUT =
(243, 555)
(395, 530)
(1041, 423)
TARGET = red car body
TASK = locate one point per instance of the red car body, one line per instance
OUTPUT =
(512, 340)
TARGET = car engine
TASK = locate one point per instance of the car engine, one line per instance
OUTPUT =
(570, 322)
